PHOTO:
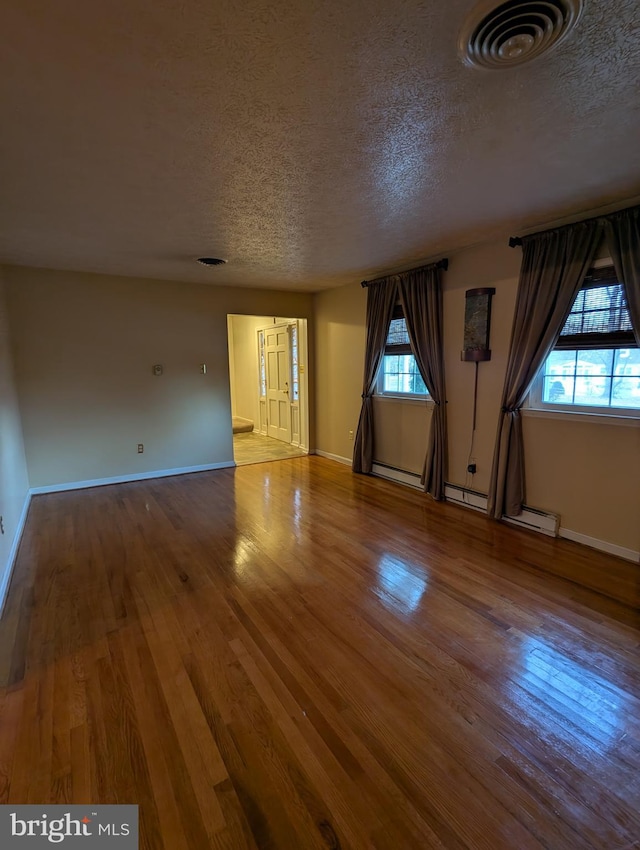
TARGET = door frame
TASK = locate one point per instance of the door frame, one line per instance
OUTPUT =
(303, 370)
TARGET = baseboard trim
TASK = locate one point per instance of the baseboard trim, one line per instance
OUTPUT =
(13, 552)
(125, 479)
(345, 460)
(602, 545)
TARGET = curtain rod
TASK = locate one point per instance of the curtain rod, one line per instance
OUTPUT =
(514, 241)
(441, 264)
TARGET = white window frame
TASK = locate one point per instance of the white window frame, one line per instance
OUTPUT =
(395, 394)
(534, 402)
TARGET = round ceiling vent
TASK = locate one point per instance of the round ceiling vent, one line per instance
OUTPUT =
(515, 32)
(211, 261)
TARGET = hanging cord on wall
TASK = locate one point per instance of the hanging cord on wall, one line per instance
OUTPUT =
(467, 482)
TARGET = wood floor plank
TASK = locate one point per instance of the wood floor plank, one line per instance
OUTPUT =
(333, 796)
(81, 789)
(289, 656)
(11, 708)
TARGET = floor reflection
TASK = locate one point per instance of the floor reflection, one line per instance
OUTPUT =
(243, 556)
(568, 698)
(401, 584)
(297, 510)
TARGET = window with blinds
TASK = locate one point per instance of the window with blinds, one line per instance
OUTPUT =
(599, 317)
(398, 337)
(596, 362)
(399, 373)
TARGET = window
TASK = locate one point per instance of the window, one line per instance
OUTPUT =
(399, 373)
(295, 371)
(595, 365)
(263, 365)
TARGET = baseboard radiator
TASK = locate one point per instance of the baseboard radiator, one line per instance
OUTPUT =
(400, 476)
(530, 518)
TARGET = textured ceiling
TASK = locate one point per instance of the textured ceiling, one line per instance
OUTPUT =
(309, 143)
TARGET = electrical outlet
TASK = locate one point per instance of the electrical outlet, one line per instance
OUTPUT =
(351, 435)
(1, 525)
(140, 448)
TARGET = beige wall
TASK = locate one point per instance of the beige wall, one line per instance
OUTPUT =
(402, 429)
(339, 334)
(494, 265)
(243, 360)
(588, 471)
(14, 483)
(84, 346)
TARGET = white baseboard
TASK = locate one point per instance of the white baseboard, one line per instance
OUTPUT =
(602, 545)
(8, 569)
(124, 479)
(347, 461)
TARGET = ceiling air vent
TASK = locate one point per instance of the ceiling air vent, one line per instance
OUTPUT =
(518, 31)
(211, 261)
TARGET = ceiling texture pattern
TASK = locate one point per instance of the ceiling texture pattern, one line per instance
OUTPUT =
(310, 144)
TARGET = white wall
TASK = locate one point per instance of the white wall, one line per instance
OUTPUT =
(84, 347)
(14, 484)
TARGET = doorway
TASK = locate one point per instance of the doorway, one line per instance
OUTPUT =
(269, 389)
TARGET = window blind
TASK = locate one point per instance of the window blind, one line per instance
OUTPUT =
(599, 317)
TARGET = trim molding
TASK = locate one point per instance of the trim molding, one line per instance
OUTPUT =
(8, 568)
(124, 479)
(345, 460)
(405, 399)
(602, 545)
(565, 415)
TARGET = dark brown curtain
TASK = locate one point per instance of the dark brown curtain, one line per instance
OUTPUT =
(381, 297)
(554, 265)
(421, 298)
(622, 232)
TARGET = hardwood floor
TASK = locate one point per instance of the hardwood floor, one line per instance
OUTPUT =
(290, 656)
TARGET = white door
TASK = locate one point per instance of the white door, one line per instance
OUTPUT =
(276, 346)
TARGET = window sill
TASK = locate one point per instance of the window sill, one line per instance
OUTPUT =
(407, 399)
(580, 416)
